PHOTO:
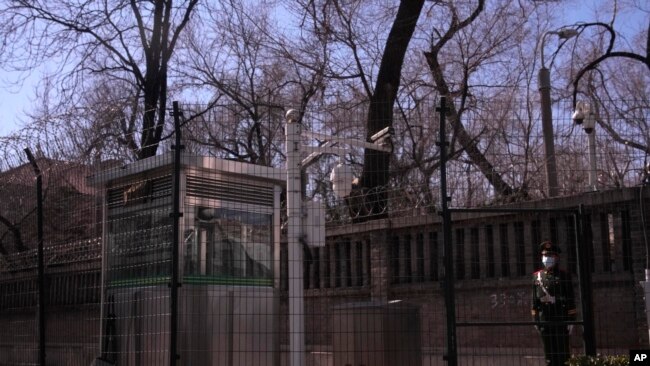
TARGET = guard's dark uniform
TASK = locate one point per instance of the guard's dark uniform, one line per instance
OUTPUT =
(553, 300)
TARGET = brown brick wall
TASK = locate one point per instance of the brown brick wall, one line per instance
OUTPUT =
(401, 259)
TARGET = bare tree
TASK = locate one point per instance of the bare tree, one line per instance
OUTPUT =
(620, 99)
(128, 41)
(610, 53)
(593, 73)
(68, 202)
(372, 73)
(100, 125)
(385, 91)
(249, 83)
(439, 39)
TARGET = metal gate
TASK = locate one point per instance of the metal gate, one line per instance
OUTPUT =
(463, 320)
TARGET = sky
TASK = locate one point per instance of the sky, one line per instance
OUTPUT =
(18, 97)
(15, 98)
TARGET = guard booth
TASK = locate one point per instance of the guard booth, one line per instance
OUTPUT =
(228, 259)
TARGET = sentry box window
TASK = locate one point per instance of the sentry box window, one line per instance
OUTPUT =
(227, 246)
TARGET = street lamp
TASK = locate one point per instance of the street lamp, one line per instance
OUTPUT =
(342, 179)
(547, 115)
(586, 116)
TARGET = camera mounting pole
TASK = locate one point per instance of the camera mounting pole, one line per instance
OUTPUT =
(295, 166)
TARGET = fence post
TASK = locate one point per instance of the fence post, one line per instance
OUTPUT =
(586, 288)
(176, 214)
(294, 247)
(450, 301)
(41, 275)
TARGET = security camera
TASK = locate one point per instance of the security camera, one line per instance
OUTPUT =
(382, 135)
(578, 116)
(292, 115)
(341, 178)
(590, 123)
(583, 110)
(586, 116)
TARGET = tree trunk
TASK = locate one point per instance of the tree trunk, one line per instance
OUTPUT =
(380, 114)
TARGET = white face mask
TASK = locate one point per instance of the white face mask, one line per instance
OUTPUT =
(548, 262)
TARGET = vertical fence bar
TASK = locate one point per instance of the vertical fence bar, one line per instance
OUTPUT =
(586, 289)
(294, 248)
(176, 214)
(41, 272)
(450, 301)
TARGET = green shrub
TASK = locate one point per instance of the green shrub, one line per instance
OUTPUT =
(598, 361)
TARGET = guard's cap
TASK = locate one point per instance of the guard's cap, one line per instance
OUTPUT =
(547, 247)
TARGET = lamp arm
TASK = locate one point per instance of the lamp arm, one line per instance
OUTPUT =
(593, 64)
(541, 46)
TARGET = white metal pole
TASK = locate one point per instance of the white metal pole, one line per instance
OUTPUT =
(646, 291)
(294, 198)
(593, 179)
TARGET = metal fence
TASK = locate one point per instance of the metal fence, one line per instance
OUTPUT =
(187, 257)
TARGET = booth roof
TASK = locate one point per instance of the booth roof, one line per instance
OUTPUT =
(230, 167)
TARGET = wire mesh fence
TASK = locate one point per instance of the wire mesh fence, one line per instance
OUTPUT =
(62, 310)
(230, 246)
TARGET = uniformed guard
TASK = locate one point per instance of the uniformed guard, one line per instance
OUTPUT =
(553, 301)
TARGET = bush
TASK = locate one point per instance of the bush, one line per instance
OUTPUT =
(598, 361)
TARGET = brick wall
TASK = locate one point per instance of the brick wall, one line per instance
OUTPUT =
(401, 259)
(495, 255)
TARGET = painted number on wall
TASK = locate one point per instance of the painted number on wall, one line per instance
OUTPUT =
(507, 299)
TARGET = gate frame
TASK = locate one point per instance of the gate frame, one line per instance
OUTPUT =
(582, 252)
